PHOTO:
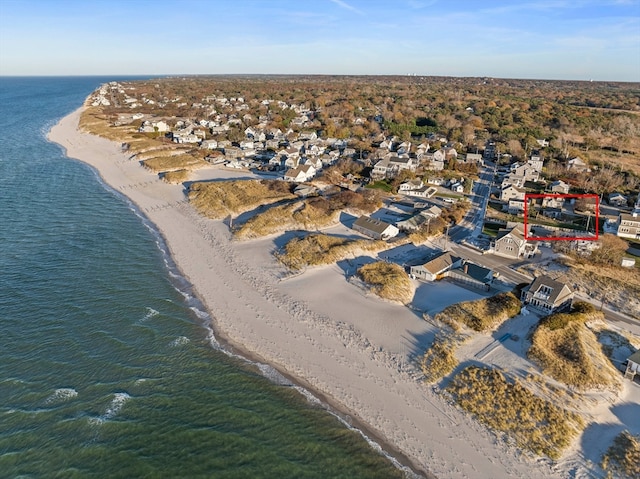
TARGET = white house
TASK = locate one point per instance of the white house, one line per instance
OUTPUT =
(375, 229)
(511, 192)
(300, 174)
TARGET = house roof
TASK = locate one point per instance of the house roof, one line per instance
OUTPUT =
(371, 224)
(635, 357)
(516, 233)
(556, 287)
(475, 271)
(440, 262)
(629, 217)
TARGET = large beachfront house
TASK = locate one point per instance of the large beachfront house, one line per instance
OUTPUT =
(510, 243)
(436, 267)
(629, 226)
(547, 295)
(446, 265)
(375, 229)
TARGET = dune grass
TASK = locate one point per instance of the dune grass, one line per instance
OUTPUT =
(177, 176)
(569, 352)
(387, 280)
(219, 199)
(439, 360)
(175, 162)
(507, 406)
(622, 459)
(318, 249)
(483, 314)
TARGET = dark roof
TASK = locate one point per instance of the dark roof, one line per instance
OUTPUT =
(555, 286)
(371, 224)
(475, 271)
(635, 357)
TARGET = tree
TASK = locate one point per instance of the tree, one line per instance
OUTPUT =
(610, 251)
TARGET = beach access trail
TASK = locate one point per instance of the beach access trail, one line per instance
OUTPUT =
(355, 359)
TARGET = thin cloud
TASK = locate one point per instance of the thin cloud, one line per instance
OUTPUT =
(346, 6)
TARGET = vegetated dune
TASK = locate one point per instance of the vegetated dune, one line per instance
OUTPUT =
(318, 249)
(506, 405)
(482, 314)
(623, 457)
(569, 352)
(172, 163)
(387, 280)
(176, 176)
(219, 199)
(440, 359)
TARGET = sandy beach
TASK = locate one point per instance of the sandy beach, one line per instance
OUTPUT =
(343, 344)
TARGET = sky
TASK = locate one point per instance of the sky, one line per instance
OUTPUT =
(545, 39)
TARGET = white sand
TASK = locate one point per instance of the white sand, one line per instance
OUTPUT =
(322, 330)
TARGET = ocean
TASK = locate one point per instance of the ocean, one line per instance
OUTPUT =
(107, 367)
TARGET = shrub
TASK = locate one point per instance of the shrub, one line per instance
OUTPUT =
(318, 249)
(439, 360)
(508, 406)
(219, 199)
(482, 314)
(177, 176)
(623, 457)
(569, 352)
(387, 280)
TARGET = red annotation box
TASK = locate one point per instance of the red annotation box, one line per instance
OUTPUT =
(530, 196)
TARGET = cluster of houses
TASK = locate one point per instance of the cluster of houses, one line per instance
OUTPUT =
(512, 188)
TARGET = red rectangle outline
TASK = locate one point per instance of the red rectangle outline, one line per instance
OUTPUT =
(561, 238)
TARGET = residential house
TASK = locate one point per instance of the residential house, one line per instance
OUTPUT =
(209, 144)
(513, 179)
(633, 365)
(536, 161)
(457, 187)
(436, 181)
(471, 274)
(629, 226)
(410, 185)
(389, 167)
(559, 187)
(511, 192)
(417, 221)
(547, 295)
(617, 199)
(526, 171)
(423, 192)
(515, 206)
(375, 229)
(577, 164)
(300, 174)
(553, 201)
(316, 161)
(435, 267)
(510, 243)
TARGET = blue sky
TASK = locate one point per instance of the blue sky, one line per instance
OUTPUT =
(553, 39)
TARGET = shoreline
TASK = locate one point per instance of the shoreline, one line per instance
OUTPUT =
(323, 349)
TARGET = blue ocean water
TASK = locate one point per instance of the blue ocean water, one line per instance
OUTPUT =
(106, 370)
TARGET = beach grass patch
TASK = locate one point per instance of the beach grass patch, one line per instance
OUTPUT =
(568, 351)
(219, 199)
(506, 405)
(318, 249)
(310, 214)
(439, 360)
(482, 314)
(387, 280)
(177, 176)
(622, 459)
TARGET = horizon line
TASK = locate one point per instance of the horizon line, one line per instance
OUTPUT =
(380, 75)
